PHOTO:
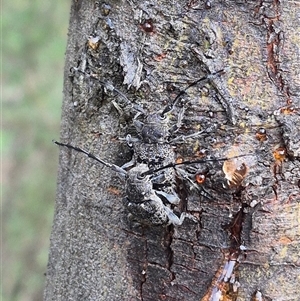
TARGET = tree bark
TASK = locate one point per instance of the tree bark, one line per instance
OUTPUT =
(151, 52)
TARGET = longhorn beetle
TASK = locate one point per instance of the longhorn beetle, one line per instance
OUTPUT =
(154, 131)
(142, 200)
(152, 178)
(153, 145)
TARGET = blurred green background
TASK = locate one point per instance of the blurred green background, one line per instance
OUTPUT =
(34, 36)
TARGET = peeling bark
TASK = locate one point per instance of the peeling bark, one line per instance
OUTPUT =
(154, 53)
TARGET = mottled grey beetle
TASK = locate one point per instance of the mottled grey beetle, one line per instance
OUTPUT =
(151, 177)
(142, 200)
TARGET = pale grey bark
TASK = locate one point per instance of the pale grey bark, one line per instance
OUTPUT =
(96, 253)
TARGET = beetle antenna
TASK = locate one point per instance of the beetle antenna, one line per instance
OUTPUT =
(173, 165)
(204, 78)
(90, 155)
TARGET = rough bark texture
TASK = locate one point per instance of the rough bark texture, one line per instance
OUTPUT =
(152, 51)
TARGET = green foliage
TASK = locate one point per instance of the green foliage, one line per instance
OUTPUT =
(33, 42)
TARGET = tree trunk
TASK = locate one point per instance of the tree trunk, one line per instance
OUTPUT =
(246, 209)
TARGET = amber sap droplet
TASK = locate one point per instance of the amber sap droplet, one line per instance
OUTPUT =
(179, 160)
(279, 154)
(287, 110)
(148, 25)
(261, 134)
(200, 178)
